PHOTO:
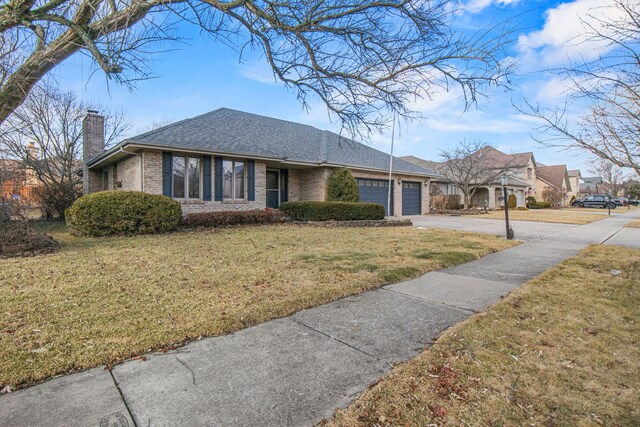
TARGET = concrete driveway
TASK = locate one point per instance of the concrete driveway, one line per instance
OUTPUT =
(524, 230)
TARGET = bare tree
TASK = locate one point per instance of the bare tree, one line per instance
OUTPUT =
(469, 165)
(611, 174)
(610, 85)
(363, 58)
(45, 133)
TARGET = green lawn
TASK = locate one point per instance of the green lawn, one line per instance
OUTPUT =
(563, 350)
(98, 301)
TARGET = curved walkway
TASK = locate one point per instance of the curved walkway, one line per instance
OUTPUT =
(295, 371)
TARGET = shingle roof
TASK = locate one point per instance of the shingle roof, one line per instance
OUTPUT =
(592, 179)
(227, 131)
(496, 157)
(554, 175)
(574, 172)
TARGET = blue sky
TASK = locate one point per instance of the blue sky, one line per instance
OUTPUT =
(204, 75)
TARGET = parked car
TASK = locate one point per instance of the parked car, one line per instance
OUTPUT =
(595, 201)
(625, 201)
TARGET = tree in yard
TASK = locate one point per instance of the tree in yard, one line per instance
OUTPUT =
(469, 167)
(365, 59)
(342, 187)
(612, 175)
(632, 189)
(553, 196)
(45, 133)
(610, 86)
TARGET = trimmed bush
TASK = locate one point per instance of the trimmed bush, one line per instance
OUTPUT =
(530, 201)
(540, 205)
(123, 212)
(522, 208)
(337, 211)
(342, 187)
(442, 202)
(222, 219)
(512, 201)
(573, 199)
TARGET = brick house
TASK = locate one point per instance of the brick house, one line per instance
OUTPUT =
(228, 160)
(520, 167)
(554, 178)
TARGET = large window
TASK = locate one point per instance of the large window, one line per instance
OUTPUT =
(186, 177)
(233, 179)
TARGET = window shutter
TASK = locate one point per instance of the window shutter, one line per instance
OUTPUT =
(206, 178)
(251, 180)
(284, 185)
(167, 166)
(217, 179)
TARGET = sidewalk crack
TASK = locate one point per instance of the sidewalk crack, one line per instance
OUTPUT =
(193, 375)
(124, 401)
(336, 339)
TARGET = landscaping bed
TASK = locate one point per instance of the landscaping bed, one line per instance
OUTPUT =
(360, 223)
(459, 212)
(101, 300)
(560, 351)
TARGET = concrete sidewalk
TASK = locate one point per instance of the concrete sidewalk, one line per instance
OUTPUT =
(298, 370)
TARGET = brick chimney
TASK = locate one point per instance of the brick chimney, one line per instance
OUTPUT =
(92, 147)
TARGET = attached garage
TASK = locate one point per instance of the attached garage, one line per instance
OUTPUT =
(411, 198)
(376, 191)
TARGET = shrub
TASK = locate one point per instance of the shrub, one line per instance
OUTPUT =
(573, 199)
(342, 187)
(220, 219)
(442, 202)
(530, 201)
(552, 196)
(540, 205)
(338, 211)
(123, 212)
(512, 201)
(522, 208)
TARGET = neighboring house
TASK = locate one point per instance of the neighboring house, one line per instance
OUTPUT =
(17, 181)
(228, 160)
(590, 185)
(520, 167)
(553, 178)
(574, 180)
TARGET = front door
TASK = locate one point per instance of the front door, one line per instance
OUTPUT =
(273, 189)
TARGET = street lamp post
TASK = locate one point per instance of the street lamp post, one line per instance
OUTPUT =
(505, 181)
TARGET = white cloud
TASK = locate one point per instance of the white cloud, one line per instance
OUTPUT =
(258, 71)
(565, 34)
(477, 6)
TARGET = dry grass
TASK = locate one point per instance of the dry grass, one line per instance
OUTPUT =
(633, 224)
(545, 215)
(563, 350)
(617, 210)
(99, 301)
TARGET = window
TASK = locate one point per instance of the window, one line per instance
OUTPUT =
(233, 179)
(186, 177)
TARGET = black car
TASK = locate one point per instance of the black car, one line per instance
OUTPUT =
(595, 201)
(625, 201)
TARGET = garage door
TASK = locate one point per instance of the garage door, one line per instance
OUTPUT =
(376, 191)
(411, 198)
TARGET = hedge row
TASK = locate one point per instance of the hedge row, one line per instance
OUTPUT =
(539, 205)
(218, 219)
(123, 212)
(337, 211)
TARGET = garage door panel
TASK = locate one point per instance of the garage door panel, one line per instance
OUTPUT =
(375, 191)
(411, 198)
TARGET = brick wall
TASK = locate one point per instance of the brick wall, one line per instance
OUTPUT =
(152, 183)
(92, 146)
(313, 183)
(128, 173)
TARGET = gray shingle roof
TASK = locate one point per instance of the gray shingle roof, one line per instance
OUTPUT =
(235, 132)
